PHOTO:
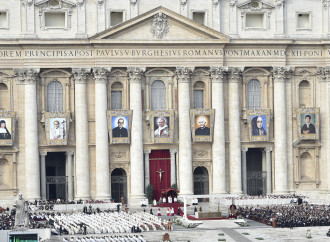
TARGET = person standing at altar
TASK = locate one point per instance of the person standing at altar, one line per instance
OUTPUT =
(169, 199)
(154, 202)
(164, 199)
(172, 211)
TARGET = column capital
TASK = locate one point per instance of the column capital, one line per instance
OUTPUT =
(27, 75)
(43, 154)
(324, 72)
(100, 74)
(232, 3)
(183, 73)
(268, 149)
(147, 152)
(280, 73)
(235, 73)
(135, 73)
(325, 3)
(279, 3)
(69, 153)
(80, 75)
(218, 73)
(173, 151)
(244, 149)
(215, 2)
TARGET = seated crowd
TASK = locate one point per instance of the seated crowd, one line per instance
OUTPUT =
(288, 215)
(117, 238)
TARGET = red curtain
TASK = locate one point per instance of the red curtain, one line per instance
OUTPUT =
(160, 162)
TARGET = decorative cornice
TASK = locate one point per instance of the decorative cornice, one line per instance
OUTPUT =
(27, 75)
(80, 74)
(280, 73)
(183, 73)
(235, 73)
(100, 74)
(135, 73)
(324, 72)
(218, 73)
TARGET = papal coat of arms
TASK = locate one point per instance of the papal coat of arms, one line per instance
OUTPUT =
(159, 26)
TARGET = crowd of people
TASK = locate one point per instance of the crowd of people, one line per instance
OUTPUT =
(288, 216)
(116, 238)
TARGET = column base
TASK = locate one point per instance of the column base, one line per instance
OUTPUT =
(135, 201)
(281, 192)
(236, 192)
(32, 199)
(102, 197)
(82, 198)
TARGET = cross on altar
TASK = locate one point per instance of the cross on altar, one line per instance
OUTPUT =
(160, 174)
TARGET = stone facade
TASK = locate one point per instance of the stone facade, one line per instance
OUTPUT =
(94, 51)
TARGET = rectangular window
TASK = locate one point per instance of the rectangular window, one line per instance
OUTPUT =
(303, 21)
(3, 20)
(116, 100)
(254, 20)
(198, 99)
(55, 20)
(116, 18)
(199, 17)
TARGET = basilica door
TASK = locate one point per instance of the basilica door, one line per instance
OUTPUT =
(160, 171)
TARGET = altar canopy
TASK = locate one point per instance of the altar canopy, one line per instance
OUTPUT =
(160, 171)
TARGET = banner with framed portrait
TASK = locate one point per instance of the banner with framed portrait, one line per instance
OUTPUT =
(308, 123)
(7, 128)
(258, 122)
(162, 126)
(57, 127)
(119, 125)
(202, 124)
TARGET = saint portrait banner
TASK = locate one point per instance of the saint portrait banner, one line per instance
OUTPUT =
(308, 123)
(202, 124)
(258, 122)
(162, 126)
(57, 127)
(119, 125)
(7, 128)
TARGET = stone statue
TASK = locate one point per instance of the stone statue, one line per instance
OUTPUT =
(22, 213)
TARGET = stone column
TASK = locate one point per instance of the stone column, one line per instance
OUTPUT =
(43, 175)
(32, 166)
(101, 15)
(185, 156)
(216, 15)
(269, 169)
(219, 140)
(279, 15)
(234, 130)
(30, 14)
(184, 8)
(326, 18)
(280, 130)
(134, 10)
(101, 134)
(232, 18)
(81, 16)
(244, 170)
(173, 170)
(69, 156)
(146, 168)
(82, 151)
(324, 73)
(136, 149)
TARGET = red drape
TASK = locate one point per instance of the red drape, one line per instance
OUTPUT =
(160, 159)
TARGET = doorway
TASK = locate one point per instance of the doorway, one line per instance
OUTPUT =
(201, 182)
(256, 177)
(56, 179)
(118, 184)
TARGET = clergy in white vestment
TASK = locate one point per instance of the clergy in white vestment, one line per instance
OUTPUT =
(169, 199)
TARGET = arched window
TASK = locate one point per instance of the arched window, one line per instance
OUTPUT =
(254, 94)
(199, 94)
(158, 95)
(3, 97)
(116, 96)
(304, 94)
(55, 97)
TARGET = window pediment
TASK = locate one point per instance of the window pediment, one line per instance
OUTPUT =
(255, 5)
(55, 4)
